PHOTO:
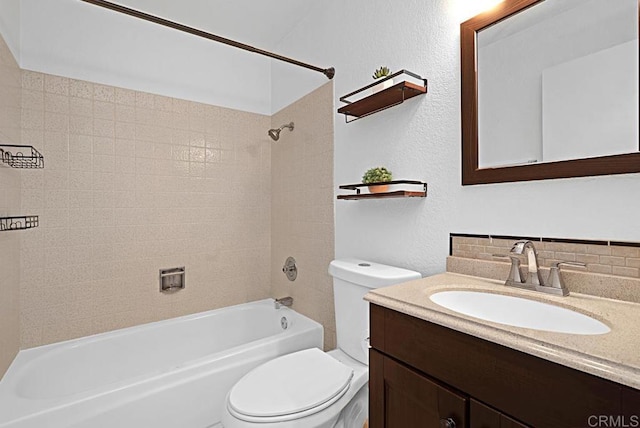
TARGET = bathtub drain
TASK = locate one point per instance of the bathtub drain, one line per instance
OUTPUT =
(284, 323)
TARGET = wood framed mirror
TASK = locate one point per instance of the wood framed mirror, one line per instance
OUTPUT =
(553, 79)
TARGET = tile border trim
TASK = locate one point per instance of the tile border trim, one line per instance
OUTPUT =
(542, 239)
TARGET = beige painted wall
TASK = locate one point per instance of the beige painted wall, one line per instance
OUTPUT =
(133, 183)
(302, 224)
(9, 206)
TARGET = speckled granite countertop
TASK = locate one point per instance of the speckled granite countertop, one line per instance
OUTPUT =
(614, 355)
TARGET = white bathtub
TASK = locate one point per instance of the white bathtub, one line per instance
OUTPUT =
(167, 374)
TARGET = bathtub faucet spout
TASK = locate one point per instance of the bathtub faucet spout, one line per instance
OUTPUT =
(283, 301)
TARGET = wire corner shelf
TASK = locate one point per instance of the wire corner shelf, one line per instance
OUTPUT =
(16, 156)
(18, 223)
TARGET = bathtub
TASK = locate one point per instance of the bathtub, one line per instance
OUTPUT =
(168, 374)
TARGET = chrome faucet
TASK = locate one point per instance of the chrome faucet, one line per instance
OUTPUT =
(283, 301)
(527, 247)
(534, 280)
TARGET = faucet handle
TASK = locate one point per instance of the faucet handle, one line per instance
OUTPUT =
(555, 279)
(576, 264)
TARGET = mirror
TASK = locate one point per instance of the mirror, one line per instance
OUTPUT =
(550, 90)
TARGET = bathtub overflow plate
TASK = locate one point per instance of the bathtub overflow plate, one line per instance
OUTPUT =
(284, 323)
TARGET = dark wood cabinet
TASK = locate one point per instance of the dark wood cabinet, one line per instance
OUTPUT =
(413, 360)
(409, 399)
(481, 416)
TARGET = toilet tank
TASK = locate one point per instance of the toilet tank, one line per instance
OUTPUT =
(352, 279)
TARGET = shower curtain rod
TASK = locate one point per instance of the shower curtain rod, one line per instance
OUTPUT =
(329, 72)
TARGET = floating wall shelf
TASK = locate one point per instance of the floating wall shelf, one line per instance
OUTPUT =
(395, 94)
(15, 156)
(18, 223)
(422, 193)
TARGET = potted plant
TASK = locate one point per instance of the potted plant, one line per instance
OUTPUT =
(381, 73)
(378, 174)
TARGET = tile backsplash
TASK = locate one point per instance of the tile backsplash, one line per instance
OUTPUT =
(135, 182)
(603, 257)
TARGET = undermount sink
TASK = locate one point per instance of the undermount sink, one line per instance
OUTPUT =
(518, 312)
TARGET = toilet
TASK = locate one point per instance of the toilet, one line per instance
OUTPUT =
(312, 388)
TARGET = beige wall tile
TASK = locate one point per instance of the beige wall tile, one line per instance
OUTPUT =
(565, 256)
(611, 260)
(596, 268)
(602, 250)
(115, 208)
(302, 224)
(625, 251)
(10, 203)
(587, 258)
(561, 247)
(32, 80)
(136, 182)
(56, 84)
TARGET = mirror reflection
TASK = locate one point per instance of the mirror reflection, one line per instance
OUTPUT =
(558, 81)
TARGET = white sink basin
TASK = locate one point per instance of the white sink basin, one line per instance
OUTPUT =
(518, 312)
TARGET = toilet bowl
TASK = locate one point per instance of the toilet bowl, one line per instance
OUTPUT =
(307, 389)
(312, 388)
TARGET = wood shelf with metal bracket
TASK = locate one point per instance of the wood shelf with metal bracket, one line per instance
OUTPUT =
(422, 193)
(385, 98)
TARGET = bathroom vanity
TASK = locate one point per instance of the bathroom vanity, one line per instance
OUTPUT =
(433, 367)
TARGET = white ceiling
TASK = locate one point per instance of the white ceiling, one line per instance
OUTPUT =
(261, 23)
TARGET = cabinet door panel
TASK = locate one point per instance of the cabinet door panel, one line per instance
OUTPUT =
(507, 422)
(482, 416)
(376, 389)
(409, 398)
(631, 406)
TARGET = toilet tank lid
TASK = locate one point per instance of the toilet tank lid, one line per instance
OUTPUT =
(370, 274)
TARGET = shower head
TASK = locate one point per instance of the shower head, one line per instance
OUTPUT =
(275, 133)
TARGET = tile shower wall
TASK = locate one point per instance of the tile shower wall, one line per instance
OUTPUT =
(9, 206)
(302, 220)
(599, 257)
(133, 183)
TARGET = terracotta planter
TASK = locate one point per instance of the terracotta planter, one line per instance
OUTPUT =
(380, 188)
(382, 86)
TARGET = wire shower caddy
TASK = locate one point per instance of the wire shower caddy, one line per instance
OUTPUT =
(21, 156)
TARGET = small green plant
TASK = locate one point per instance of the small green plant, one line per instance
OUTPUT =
(381, 72)
(378, 174)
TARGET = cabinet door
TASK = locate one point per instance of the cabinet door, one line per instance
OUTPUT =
(403, 398)
(481, 416)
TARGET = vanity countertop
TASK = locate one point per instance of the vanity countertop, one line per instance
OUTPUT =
(614, 355)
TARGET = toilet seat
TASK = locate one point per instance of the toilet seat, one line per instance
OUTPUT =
(289, 387)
